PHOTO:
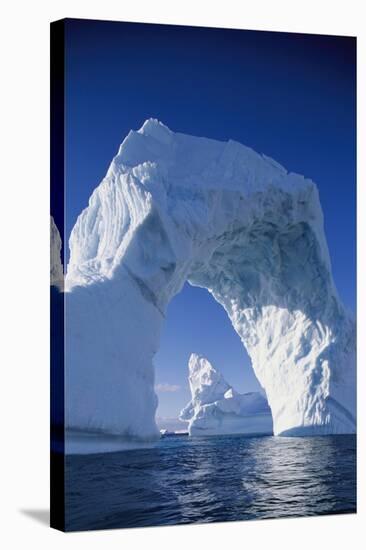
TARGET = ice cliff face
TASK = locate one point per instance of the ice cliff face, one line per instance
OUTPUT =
(216, 408)
(175, 208)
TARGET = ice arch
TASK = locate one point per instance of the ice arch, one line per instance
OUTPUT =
(175, 208)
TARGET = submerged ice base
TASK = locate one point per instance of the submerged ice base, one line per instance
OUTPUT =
(175, 208)
(87, 442)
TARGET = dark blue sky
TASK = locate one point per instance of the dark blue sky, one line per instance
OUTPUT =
(289, 96)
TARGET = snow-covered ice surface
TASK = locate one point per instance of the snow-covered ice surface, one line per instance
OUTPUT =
(175, 208)
(216, 408)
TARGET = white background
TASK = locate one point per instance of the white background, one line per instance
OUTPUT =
(24, 272)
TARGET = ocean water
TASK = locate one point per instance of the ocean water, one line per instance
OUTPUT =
(184, 480)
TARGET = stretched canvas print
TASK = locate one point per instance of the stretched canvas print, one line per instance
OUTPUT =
(203, 336)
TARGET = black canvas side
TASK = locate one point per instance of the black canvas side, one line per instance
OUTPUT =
(57, 458)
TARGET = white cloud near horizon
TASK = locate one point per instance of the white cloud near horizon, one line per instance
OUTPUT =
(167, 387)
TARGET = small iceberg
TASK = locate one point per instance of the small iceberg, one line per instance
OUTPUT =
(217, 409)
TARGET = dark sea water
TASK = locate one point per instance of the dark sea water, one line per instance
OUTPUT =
(226, 478)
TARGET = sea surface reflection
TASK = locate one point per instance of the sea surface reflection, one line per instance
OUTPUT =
(182, 480)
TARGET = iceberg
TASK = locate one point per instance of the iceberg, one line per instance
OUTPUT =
(174, 208)
(56, 267)
(216, 408)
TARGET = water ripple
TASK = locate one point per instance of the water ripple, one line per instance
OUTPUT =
(224, 478)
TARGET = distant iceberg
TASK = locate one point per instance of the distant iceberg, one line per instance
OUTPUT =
(216, 408)
(174, 208)
(56, 268)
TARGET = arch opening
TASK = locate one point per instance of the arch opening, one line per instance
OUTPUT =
(196, 323)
